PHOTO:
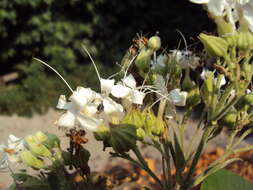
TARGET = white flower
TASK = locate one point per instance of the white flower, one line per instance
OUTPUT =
(235, 10)
(216, 7)
(11, 152)
(178, 98)
(206, 72)
(186, 59)
(247, 10)
(83, 109)
(128, 90)
(106, 85)
(160, 61)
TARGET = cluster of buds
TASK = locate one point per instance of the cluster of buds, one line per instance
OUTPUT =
(31, 150)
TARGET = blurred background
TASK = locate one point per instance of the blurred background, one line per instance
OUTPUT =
(53, 31)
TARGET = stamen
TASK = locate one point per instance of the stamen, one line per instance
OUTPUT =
(85, 49)
(55, 72)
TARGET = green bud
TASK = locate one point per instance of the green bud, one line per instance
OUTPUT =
(154, 43)
(215, 46)
(231, 39)
(143, 60)
(229, 119)
(149, 119)
(40, 137)
(223, 27)
(134, 117)
(123, 138)
(102, 133)
(140, 133)
(52, 141)
(29, 159)
(248, 99)
(158, 127)
(193, 98)
(245, 40)
(37, 148)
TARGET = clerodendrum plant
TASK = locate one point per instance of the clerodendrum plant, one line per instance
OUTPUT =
(141, 106)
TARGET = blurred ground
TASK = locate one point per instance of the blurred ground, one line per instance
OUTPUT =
(100, 160)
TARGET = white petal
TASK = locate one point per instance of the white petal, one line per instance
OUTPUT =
(106, 85)
(200, 1)
(129, 81)
(89, 123)
(62, 102)
(223, 81)
(204, 74)
(248, 91)
(178, 98)
(13, 139)
(90, 109)
(82, 96)
(111, 106)
(120, 91)
(67, 120)
(216, 7)
(137, 97)
(248, 15)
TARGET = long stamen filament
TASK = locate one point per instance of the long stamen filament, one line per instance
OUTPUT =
(85, 49)
(55, 72)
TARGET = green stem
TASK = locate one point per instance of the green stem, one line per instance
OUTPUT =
(145, 166)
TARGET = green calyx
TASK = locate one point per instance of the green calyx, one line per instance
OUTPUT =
(123, 138)
(30, 160)
(215, 46)
(154, 43)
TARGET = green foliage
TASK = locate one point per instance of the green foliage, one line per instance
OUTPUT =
(53, 31)
(224, 179)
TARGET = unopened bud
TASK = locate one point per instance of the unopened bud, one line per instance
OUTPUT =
(245, 40)
(215, 46)
(29, 159)
(143, 60)
(154, 43)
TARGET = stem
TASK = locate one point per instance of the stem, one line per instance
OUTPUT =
(145, 166)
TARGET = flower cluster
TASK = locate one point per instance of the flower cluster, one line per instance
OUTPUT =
(29, 150)
(232, 10)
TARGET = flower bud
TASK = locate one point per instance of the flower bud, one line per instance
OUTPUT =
(123, 138)
(102, 133)
(29, 159)
(52, 141)
(154, 43)
(143, 60)
(193, 98)
(248, 99)
(158, 127)
(229, 119)
(215, 46)
(134, 117)
(37, 148)
(231, 39)
(40, 137)
(224, 28)
(245, 40)
(140, 133)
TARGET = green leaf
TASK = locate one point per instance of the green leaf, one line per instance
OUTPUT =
(225, 180)
(29, 182)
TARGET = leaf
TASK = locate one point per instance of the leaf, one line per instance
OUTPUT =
(214, 169)
(225, 180)
(29, 182)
